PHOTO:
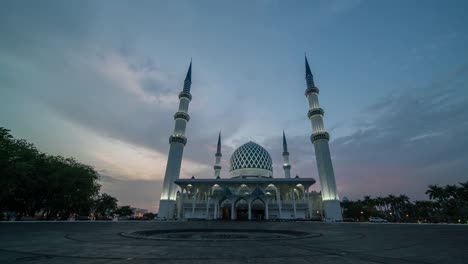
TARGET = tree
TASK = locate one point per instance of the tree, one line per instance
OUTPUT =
(149, 216)
(434, 192)
(423, 209)
(72, 187)
(105, 205)
(355, 210)
(451, 201)
(18, 159)
(124, 211)
(33, 182)
(462, 193)
(380, 203)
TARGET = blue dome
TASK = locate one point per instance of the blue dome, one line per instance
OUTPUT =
(251, 156)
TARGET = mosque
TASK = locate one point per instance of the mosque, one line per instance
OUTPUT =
(250, 192)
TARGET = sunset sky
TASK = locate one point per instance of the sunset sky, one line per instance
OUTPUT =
(99, 81)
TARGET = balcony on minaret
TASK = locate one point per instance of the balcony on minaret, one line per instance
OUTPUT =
(315, 111)
(182, 115)
(319, 136)
(178, 139)
(185, 94)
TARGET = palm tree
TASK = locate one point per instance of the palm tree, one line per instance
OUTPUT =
(392, 202)
(442, 197)
(379, 202)
(423, 209)
(434, 192)
(452, 201)
(402, 204)
(451, 191)
(369, 202)
(463, 193)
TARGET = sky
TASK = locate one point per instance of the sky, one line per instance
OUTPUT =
(98, 81)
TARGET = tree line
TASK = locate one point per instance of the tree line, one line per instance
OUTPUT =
(446, 204)
(33, 183)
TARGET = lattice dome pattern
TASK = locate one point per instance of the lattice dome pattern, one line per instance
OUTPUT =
(251, 155)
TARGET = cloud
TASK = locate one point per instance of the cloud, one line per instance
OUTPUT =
(416, 137)
(424, 135)
(110, 107)
(409, 139)
(100, 82)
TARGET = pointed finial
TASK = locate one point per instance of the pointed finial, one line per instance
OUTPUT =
(188, 79)
(309, 77)
(218, 149)
(285, 145)
(308, 71)
(189, 73)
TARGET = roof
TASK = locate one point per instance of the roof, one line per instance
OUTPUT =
(247, 181)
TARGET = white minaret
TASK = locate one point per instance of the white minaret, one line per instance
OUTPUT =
(286, 165)
(319, 138)
(218, 155)
(177, 142)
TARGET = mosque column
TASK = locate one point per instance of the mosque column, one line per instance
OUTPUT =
(294, 202)
(179, 205)
(250, 210)
(194, 199)
(267, 211)
(207, 208)
(177, 143)
(278, 201)
(215, 209)
(309, 202)
(233, 211)
(320, 140)
(219, 215)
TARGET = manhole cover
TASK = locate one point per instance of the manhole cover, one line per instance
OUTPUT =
(219, 234)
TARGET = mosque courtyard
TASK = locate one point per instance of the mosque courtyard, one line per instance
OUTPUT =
(231, 242)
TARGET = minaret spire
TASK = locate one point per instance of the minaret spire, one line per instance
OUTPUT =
(319, 138)
(188, 79)
(218, 155)
(177, 143)
(285, 144)
(309, 77)
(286, 165)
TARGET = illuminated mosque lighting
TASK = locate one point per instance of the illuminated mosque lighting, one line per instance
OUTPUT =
(250, 191)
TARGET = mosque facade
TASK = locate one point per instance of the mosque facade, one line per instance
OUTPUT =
(250, 192)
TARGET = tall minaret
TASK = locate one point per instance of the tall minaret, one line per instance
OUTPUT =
(218, 155)
(177, 142)
(319, 138)
(286, 165)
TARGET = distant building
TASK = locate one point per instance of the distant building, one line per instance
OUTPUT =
(138, 212)
(250, 192)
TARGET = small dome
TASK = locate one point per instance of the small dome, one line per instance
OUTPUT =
(251, 159)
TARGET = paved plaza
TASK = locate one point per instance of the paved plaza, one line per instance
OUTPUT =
(231, 242)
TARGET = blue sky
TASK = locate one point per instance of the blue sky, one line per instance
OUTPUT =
(99, 80)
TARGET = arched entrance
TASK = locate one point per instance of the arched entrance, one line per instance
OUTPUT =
(258, 209)
(242, 209)
(225, 207)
